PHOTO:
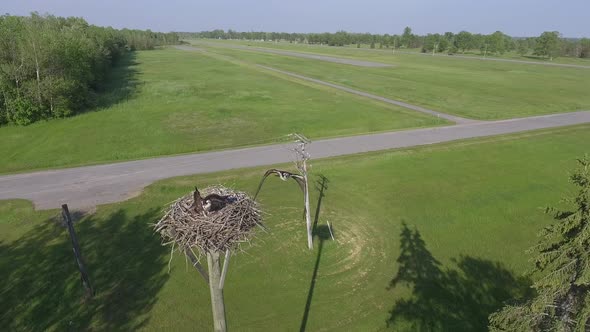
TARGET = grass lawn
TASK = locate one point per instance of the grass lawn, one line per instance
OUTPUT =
(170, 101)
(484, 90)
(445, 226)
(365, 50)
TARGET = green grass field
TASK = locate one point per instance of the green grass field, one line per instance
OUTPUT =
(470, 209)
(484, 90)
(170, 101)
(366, 51)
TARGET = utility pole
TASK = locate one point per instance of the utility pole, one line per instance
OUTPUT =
(301, 163)
(216, 283)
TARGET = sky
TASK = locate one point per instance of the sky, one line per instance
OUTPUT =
(514, 17)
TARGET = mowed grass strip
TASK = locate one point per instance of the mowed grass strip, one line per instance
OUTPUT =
(472, 206)
(366, 51)
(171, 101)
(485, 90)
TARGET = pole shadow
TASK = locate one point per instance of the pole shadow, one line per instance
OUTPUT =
(322, 233)
(459, 299)
(321, 185)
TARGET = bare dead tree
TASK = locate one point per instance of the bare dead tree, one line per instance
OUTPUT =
(301, 158)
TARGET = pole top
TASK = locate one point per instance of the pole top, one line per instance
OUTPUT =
(300, 138)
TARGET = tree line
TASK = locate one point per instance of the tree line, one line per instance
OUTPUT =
(52, 67)
(549, 44)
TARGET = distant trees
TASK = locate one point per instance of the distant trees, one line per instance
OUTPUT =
(431, 43)
(548, 44)
(464, 41)
(496, 43)
(561, 268)
(340, 38)
(439, 43)
(584, 48)
(50, 66)
(407, 37)
(521, 47)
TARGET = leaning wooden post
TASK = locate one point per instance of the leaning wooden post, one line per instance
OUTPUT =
(219, 323)
(195, 262)
(77, 252)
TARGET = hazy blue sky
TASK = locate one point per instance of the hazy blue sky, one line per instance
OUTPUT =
(514, 17)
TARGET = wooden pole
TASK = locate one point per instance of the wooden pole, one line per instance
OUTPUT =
(307, 208)
(330, 229)
(77, 252)
(217, 304)
(197, 265)
(225, 267)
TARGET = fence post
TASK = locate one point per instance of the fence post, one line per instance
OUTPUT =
(77, 252)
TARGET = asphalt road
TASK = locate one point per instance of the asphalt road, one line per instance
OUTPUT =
(85, 187)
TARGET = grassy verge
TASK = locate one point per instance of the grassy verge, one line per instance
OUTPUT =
(170, 101)
(446, 226)
(484, 90)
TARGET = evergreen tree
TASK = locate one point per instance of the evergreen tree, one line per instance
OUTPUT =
(562, 270)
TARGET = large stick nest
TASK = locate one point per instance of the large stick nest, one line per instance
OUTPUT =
(220, 230)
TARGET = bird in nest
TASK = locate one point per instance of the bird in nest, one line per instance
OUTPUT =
(283, 175)
(209, 203)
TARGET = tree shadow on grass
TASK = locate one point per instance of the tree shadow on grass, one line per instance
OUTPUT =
(41, 287)
(121, 83)
(458, 299)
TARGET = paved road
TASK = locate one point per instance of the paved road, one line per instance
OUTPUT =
(453, 118)
(353, 62)
(84, 187)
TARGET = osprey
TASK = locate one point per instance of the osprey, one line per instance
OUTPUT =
(283, 175)
(209, 203)
(215, 202)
